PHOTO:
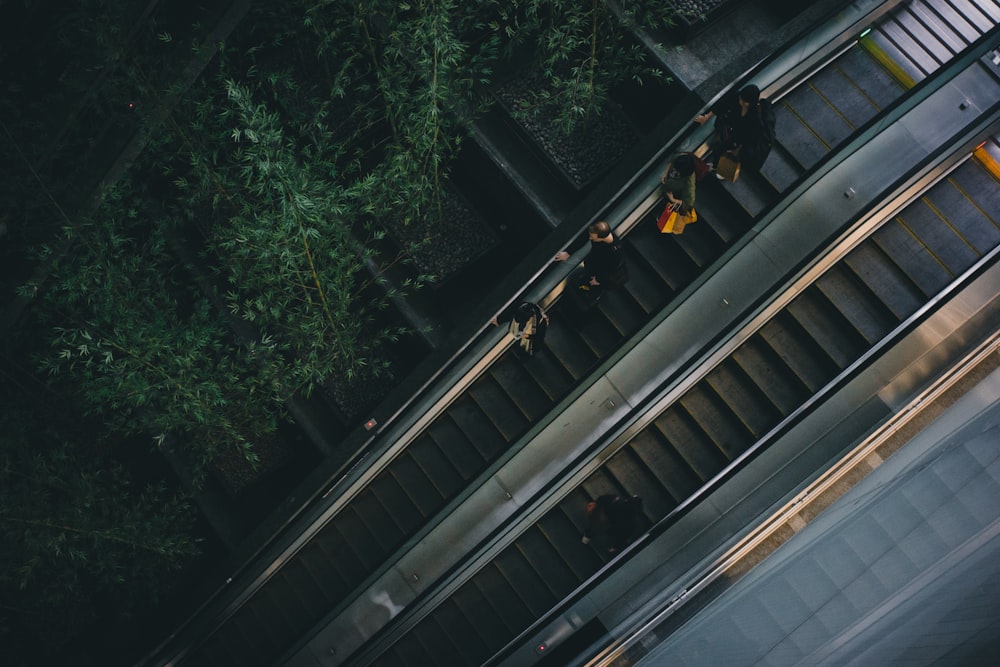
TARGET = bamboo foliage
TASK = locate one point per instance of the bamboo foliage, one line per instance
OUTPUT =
(146, 355)
(582, 49)
(77, 537)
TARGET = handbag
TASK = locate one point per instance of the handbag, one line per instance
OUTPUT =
(672, 221)
(728, 167)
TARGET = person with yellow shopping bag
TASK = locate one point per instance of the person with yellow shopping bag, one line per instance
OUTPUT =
(678, 186)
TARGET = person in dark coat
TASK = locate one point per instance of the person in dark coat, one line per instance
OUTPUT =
(744, 127)
(614, 518)
(604, 265)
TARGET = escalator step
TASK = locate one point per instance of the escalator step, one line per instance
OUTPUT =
(746, 400)
(798, 351)
(672, 471)
(601, 336)
(727, 218)
(477, 427)
(498, 590)
(407, 652)
(284, 598)
(933, 23)
(602, 482)
(647, 288)
(783, 388)
(780, 169)
(974, 206)
(663, 257)
(752, 191)
(700, 243)
(450, 637)
(397, 503)
(906, 71)
(638, 480)
(855, 302)
(990, 8)
(257, 635)
(490, 626)
(823, 119)
(912, 257)
(530, 398)
(374, 515)
(832, 335)
(547, 561)
(325, 572)
(869, 77)
(499, 407)
(566, 538)
(438, 469)
(955, 20)
(796, 138)
(456, 448)
(525, 581)
(275, 617)
(572, 353)
(850, 102)
(928, 56)
(550, 375)
(622, 311)
(972, 12)
(305, 588)
(690, 442)
(418, 487)
(885, 279)
(716, 419)
(936, 45)
(359, 537)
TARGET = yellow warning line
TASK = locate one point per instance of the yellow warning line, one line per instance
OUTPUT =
(990, 164)
(895, 71)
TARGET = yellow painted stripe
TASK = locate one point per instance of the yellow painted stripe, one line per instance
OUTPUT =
(895, 71)
(990, 164)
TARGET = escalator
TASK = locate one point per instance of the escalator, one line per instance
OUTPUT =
(839, 318)
(857, 302)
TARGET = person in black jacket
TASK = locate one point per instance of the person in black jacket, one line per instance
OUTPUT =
(604, 265)
(744, 126)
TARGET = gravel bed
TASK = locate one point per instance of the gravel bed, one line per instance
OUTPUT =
(587, 151)
(443, 249)
(693, 11)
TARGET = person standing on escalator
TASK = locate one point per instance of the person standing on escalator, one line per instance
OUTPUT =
(604, 266)
(744, 127)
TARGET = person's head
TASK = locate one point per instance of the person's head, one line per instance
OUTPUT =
(683, 165)
(599, 230)
(523, 313)
(750, 95)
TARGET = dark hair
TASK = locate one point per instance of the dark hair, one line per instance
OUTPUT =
(601, 229)
(524, 312)
(750, 94)
(684, 164)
